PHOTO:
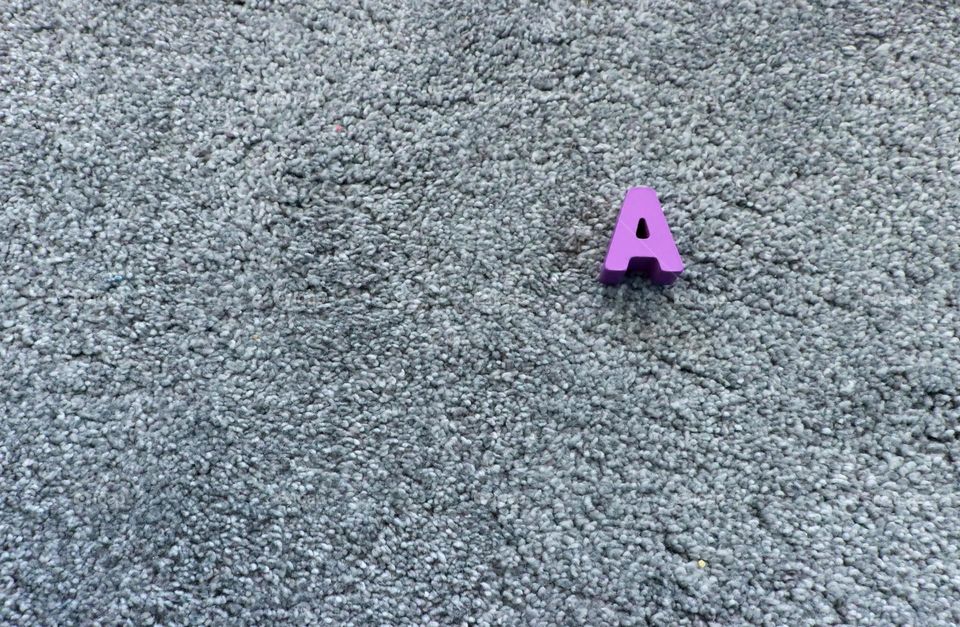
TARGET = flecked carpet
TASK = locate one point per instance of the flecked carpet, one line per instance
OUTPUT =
(299, 319)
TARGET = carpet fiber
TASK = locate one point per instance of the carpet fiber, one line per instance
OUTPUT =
(299, 318)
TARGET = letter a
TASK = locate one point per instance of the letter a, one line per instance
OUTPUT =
(642, 241)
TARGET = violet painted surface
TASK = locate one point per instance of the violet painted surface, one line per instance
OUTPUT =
(646, 247)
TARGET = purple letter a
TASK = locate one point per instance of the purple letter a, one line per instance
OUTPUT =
(641, 241)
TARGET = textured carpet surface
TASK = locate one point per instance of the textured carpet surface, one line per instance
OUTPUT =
(299, 319)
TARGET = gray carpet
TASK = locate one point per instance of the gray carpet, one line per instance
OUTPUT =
(300, 320)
